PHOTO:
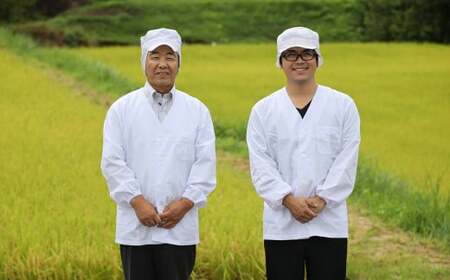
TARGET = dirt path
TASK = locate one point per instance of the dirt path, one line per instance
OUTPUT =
(384, 240)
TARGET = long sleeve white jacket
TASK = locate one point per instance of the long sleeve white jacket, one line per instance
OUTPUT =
(163, 161)
(316, 155)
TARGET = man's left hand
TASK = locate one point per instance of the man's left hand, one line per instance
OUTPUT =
(316, 203)
(174, 212)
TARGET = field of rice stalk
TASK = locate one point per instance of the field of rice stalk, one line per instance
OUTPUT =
(57, 218)
(402, 91)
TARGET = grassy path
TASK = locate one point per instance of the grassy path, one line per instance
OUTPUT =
(58, 222)
(378, 251)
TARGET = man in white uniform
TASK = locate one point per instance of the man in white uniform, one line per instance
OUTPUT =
(159, 164)
(303, 143)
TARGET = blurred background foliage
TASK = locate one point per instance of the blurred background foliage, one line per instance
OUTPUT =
(112, 22)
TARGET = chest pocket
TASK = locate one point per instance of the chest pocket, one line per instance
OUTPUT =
(327, 139)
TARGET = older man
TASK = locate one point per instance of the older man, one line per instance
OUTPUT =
(303, 143)
(159, 164)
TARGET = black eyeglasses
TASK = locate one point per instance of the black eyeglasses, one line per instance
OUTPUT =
(293, 55)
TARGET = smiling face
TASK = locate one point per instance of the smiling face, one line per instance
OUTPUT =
(301, 70)
(161, 68)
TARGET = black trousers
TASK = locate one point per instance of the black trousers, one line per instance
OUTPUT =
(157, 262)
(323, 258)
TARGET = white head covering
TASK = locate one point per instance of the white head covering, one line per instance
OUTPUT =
(298, 37)
(157, 37)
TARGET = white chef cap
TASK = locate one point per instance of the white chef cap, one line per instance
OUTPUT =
(298, 37)
(157, 37)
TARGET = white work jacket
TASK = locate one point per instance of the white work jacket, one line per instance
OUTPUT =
(316, 155)
(161, 160)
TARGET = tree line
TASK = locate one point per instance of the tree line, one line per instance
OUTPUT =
(357, 20)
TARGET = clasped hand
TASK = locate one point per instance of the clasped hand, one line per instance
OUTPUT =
(172, 214)
(304, 209)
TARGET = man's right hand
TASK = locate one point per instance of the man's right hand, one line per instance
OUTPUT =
(145, 211)
(299, 208)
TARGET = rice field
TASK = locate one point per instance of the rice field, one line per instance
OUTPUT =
(57, 218)
(402, 92)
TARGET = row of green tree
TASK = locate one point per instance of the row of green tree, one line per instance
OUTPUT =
(86, 22)
(26, 10)
(403, 20)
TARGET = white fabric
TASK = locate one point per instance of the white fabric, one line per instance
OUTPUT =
(298, 37)
(163, 161)
(316, 155)
(158, 37)
(161, 103)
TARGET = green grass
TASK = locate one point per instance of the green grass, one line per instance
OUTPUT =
(401, 91)
(380, 194)
(94, 74)
(55, 213)
(121, 22)
(57, 218)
